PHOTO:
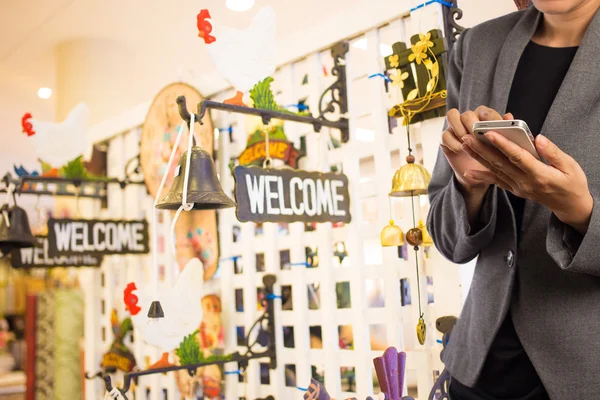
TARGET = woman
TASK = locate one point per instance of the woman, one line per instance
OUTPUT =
(529, 327)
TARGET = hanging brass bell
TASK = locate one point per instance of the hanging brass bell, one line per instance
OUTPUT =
(391, 235)
(15, 232)
(427, 240)
(204, 188)
(414, 237)
(410, 179)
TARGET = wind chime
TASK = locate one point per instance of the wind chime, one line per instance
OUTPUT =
(411, 180)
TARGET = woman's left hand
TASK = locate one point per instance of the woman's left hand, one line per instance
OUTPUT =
(561, 186)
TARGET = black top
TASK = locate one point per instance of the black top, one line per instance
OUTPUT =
(508, 372)
(539, 75)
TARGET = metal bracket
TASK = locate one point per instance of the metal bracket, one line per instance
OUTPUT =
(338, 90)
(338, 101)
(444, 325)
(38, 185)
(451, 27)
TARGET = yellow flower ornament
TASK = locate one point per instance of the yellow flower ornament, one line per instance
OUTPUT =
(398, 77)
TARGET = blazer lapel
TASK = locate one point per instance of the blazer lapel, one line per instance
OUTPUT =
(571, 121)
(509, 57)
(578, 95)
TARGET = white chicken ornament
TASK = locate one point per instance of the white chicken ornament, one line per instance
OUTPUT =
(182, 308)
(242, 57)
(57, 143)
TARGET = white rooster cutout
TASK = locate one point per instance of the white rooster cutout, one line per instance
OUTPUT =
(242, 57)
(57, 143)
(182, 306)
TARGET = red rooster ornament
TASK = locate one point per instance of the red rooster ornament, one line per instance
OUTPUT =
(205, 27)
(26, 125)
(131, 299)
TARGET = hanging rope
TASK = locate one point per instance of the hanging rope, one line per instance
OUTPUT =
(184, 204)
(156, 199)
(267, 163)
(412, 200)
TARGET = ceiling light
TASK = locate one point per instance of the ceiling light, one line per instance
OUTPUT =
(239, 5)
(44, 93)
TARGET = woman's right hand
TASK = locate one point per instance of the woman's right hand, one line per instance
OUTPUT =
(460, 125)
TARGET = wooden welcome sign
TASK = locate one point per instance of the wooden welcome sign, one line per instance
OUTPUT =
(287, 195)
(38, 257)
(80, 236)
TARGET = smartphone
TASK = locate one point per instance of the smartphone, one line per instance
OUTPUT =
(516, 131)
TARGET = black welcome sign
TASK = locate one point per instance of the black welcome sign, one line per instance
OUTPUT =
(38, 257)
(287, 195)
(82, 236)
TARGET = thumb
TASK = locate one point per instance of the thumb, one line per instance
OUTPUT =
(555, 156)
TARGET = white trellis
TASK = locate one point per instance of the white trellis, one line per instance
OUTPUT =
(371, 274)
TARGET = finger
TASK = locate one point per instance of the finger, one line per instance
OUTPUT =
(468, 119)
(520, 157)
(555, 156)
(508, 117)
(450, 141)
(455, 124)
(496, 161)
(487, 165)
(489, 178)
(487, 114)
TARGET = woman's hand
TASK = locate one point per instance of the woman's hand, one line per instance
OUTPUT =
(459, 127)
(561, 186)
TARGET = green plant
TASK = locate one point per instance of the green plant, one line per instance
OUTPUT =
(45, 167)
(263, 98)
(262, 95)
(75, 169)
(189, 350)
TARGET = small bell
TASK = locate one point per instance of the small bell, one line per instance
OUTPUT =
(204, 188)
(414, 237)
(156, 310)
(410, 179)
(427, 240)
(15, 232)
(391, 235)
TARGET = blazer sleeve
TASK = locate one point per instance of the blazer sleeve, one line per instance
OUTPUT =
(447, 220)
(573, 251)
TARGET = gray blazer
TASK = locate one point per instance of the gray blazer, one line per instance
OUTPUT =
(551, 282)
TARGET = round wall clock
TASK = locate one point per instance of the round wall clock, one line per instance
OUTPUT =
(196, 231)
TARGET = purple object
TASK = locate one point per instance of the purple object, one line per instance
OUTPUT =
(316, 391)
(390, 373)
